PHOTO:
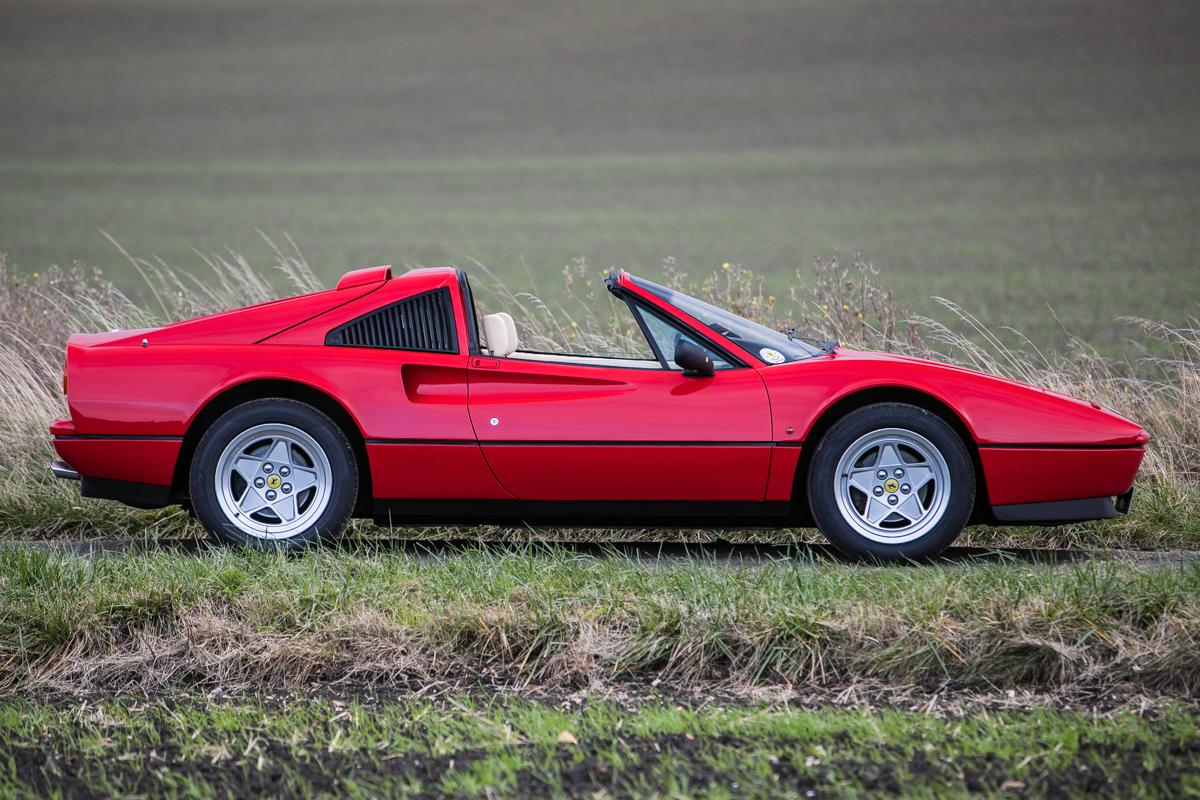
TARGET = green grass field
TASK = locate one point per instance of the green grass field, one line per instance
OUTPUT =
(1011, 158)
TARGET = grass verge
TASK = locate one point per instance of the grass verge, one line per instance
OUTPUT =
(542, 615)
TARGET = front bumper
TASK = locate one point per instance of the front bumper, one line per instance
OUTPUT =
(1061, 512)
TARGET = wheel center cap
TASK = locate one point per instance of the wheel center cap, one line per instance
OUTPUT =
(891, 485)
(274, 482)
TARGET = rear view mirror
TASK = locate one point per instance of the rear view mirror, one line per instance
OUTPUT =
(694, 359)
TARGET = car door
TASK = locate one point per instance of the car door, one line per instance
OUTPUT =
(555, 430)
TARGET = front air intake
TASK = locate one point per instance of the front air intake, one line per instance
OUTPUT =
(424, 322)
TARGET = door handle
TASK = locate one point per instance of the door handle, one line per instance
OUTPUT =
(485, 363)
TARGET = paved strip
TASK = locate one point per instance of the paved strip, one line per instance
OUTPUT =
(721, 552)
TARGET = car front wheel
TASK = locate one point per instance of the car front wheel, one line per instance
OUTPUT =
(274, 472)
(891, 482)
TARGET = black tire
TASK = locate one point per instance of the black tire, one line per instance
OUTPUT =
(342, 482)
(822, 482)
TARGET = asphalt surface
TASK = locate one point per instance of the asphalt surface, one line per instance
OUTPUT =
(721, 552)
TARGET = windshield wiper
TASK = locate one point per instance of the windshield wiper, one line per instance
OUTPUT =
(826, 346)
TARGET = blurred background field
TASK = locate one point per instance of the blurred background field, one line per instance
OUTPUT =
(1007, 156)
(1036, 162)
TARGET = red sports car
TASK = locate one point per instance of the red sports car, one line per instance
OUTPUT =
(387, 398)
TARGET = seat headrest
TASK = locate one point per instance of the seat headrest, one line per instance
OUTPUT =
(501, 334)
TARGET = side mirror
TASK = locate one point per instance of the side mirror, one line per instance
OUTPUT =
(694, 360)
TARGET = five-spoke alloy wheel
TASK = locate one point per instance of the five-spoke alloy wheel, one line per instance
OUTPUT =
(891, 482)
(274, 472)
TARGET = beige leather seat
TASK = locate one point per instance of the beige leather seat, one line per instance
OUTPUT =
(501, 334)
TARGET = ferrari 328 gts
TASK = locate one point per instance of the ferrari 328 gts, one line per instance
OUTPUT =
(387, 397)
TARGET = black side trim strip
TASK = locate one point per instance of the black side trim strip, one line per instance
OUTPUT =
(537, 443)
(421, 441)
(1057, 512)
(518, 443)
(138, 495)
(1061, 446)
(128, 437)
(585, 355)
(566, 362)
(583, 513)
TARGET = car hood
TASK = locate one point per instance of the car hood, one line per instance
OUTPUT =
(996, 410)
(967, 373)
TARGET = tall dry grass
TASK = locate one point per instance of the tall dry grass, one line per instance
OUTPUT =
(847, 301)
(37, 314)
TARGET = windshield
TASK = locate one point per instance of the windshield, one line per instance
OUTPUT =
(769, 345)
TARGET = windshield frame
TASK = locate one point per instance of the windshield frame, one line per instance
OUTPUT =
(774, 339)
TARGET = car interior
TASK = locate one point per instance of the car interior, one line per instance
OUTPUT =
(500, 340)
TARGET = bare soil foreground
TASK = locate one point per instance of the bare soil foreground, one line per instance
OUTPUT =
(453, 744)
(466, 669)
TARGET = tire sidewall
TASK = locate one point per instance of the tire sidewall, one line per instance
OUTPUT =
(331, 439)
(822, 472)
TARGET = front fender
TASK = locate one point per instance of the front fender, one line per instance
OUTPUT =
(995, 411)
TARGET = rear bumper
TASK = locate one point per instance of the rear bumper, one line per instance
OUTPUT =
(131, 459)
(137, 495)
(135, 470)
(131, 493)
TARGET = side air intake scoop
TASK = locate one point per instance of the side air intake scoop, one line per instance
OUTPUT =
(361, 277)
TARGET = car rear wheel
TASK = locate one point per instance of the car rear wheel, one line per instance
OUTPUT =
(274, 473)
(891, 482)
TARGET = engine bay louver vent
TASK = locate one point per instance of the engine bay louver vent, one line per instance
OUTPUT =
(424, 322)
